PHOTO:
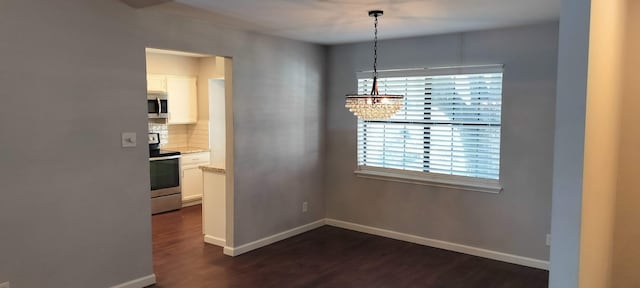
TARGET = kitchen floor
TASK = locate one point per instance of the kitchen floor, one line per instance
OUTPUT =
(325, 257)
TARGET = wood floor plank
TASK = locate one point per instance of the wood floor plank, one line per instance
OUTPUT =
(325, 257)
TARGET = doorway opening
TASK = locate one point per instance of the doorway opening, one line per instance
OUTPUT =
(194, 118)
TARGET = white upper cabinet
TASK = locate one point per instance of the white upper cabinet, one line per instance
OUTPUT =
(183, 100)
(182, 93)
(156, 82)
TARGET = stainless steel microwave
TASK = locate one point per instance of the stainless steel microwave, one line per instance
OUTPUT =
(157, 104)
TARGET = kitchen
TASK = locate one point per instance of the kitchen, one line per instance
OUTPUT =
(187, 135)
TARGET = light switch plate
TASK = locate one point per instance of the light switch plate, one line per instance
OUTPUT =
(128, 140)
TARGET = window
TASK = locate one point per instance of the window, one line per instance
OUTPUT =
(448, 132)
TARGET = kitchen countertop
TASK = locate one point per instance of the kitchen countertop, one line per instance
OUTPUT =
(209, 168)
(187, 150)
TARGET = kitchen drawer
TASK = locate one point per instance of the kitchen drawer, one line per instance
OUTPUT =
(195, 158)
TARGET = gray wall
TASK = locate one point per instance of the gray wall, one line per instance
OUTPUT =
(573, 53)
(278, 126)
(74, 208)
(515, 221)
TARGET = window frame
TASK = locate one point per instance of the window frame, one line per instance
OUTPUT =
(429, 178)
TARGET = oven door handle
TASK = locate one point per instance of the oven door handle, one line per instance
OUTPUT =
(164, 158)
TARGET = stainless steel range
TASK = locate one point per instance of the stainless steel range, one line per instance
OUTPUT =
(166, 192)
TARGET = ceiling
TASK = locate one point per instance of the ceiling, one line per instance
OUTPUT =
(343, 21)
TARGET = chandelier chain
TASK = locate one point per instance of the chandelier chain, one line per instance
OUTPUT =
(375, 47)
(374, 106)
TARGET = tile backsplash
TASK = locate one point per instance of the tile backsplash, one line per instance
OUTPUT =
(177, 136)
(198, 134)
(160, 128)
(188, 135)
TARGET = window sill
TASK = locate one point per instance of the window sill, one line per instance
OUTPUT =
(431, 179)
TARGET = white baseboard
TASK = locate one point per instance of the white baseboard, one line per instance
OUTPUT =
(235, 251)
(504, 257)
(215, 241)
(191, 200)
(229, 251)
(139, 283)
(490, 254)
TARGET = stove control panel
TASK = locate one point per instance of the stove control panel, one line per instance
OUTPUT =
(154, 138)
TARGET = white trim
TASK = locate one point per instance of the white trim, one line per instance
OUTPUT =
(229, 251)
(138, 283)
(215, 241)
(484, 253)
(176, 53)
(430, 179)
(434, 71)
(504, 257)
(191, 200)
(235, 251)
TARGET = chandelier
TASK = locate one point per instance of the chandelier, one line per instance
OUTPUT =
(374, 106)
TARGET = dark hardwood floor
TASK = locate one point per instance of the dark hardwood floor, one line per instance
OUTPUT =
(325, 257)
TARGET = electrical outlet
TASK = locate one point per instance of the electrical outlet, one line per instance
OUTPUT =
(548, 239)
(305, 207)
(5, 285)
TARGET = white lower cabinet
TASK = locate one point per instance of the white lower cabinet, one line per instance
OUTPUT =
(192, 186)
(192, 179)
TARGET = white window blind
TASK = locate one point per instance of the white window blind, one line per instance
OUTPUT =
(450, 124)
